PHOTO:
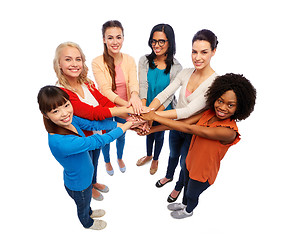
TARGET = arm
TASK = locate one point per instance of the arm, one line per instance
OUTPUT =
(175, 69)
(101, 99)
(168, 92)
(198, 100)
(221, 134)
(103, 79)
(121, 102)
(142, 76)
(167, 114)
(66, 145)
(121, 111)
(133, 84)
(88, 125)
(84, 110)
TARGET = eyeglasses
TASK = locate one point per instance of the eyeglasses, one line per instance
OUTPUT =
(160, 42)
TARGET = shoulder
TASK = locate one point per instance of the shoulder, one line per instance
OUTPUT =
(69, 92)
(186, 72)
(176, 62)
(143, 59)
(90, 85)
(98, 60)
(213, 76)
(127, 57)
(176, 67)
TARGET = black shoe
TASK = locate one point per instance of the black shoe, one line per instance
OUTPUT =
(159, 184)
(170, 199)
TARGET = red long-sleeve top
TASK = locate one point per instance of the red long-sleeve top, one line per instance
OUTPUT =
(89, 112)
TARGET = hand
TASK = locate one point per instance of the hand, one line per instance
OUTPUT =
(148, 116)
(146, 109)
(136, 103)
(142, 130)
(125, 126)
(136, 120)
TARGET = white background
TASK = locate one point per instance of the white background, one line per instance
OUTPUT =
(251, 198)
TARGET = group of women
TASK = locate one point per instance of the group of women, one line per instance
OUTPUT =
(159, 74)
(119, 94)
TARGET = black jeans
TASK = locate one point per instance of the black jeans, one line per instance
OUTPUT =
(158, 138)
(192, 191)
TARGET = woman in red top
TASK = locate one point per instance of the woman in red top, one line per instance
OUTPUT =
(231, 97)
(87, 101)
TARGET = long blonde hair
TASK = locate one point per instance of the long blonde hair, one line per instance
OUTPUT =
(82, 78)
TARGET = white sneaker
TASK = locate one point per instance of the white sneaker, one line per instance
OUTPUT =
(98, 225)
(180, 214)
(176, 206)
(97, 213)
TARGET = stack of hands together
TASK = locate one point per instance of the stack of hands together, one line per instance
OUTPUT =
(142, 122)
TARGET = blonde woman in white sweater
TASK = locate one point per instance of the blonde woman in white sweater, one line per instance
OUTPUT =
(194, 83)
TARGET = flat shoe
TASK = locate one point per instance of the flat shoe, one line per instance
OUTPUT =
(97, 213)
(159, 184)
(98, 225)
(99, 198)
(123, 169)
(142, 161)
(153, 170)
(171, 199)
(111, 172)
(105, 190)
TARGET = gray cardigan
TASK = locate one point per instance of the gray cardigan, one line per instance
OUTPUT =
(143, 67)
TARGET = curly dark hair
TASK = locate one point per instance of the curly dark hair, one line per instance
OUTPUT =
(243, 89)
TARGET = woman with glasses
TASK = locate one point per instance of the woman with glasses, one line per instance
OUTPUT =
(156, 71)
(194, 83)
(116, 76)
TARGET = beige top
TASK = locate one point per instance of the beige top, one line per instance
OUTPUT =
(195, 102)
(104, 80)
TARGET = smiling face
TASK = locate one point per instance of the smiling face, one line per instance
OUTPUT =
(160, 44)
(113, 38)
(226, 105)
(202, 54)
(62, 115)
(70, 62)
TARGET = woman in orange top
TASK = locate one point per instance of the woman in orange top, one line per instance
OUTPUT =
(231, 97)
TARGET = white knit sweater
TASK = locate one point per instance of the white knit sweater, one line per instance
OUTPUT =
(187, 106)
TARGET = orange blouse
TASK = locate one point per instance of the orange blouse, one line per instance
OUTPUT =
(204, 156)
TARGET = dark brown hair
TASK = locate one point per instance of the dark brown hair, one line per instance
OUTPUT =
(108, 59)
(208, 36)
(49, 98)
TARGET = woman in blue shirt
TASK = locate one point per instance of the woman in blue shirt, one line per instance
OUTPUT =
(70, 147)
(156, 71)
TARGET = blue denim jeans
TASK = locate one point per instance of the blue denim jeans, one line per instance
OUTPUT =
(120, 143)
(158, 138)
(94, 154)
(193, 189)
(179, 144)
(82, 200)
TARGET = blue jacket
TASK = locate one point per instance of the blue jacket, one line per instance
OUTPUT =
(72, 151)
